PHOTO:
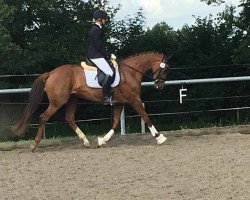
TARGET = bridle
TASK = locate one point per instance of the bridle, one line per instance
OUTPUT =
(156, 75)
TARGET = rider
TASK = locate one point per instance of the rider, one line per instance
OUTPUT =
(99, 55)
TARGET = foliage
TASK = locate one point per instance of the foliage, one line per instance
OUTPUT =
(241, 54)
(127, 34)
(160, 38)
(39, 36)
(7, 46)
(217, 2)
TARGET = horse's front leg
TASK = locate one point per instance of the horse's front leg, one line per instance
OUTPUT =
(117, 110)
(138, 106)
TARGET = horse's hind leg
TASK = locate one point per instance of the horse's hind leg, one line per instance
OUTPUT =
(43, 119)
(116, 117)
(70, 118)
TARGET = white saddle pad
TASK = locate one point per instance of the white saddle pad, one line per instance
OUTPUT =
(91, 75)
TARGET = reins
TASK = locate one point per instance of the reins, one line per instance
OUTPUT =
(143, 74)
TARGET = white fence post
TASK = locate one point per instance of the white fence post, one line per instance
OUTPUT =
(122, 122)
(142, 122)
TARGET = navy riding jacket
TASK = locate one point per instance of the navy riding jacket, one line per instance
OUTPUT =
(95, 44)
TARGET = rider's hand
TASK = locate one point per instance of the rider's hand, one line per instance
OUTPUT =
(113, 56)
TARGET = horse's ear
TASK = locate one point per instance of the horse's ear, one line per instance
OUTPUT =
(164, 59)
(169, 57)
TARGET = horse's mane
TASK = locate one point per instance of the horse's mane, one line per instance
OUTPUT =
(142, 53)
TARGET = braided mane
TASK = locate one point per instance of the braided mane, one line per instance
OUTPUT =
(142, 53)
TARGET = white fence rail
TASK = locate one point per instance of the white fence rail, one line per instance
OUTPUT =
(174, 82)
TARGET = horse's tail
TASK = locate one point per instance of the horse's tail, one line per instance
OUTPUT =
(35, 98)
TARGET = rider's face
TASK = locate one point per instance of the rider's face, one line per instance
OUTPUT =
(104, 21)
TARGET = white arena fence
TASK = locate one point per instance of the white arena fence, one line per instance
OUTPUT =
(182, 96)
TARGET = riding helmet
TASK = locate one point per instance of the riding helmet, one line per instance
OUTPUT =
(100, 14)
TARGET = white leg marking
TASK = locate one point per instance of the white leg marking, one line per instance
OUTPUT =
(102, 140)
(109, 135)
(153, 130)
(161, 139)
(82, 136)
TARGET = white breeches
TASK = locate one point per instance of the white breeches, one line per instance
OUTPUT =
(103, 65)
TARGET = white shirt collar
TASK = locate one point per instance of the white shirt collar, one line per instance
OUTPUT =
(99, 25)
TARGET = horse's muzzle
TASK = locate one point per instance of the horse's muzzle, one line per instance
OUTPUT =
(159, 85)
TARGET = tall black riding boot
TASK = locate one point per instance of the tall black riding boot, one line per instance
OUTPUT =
(107, 91)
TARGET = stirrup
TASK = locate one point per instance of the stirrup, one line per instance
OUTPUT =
(109, 101)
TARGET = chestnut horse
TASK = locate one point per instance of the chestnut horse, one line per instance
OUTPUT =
(67, 83)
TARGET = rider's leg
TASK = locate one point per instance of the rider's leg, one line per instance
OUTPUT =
(106, 89)
(103, 65)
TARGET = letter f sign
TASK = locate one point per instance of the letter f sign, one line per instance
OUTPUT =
(181, 93)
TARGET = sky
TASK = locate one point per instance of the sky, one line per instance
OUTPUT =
(175, 13)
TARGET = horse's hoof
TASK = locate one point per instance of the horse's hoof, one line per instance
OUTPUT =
(33, 147)
(100, 142)
(161, 139)
(87, 144)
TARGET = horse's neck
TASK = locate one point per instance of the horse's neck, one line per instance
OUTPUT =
(142, 66)
(135, 70)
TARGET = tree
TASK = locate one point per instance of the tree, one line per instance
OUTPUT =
(7, 46)
(127, 35)
(226, 39)
(209, 2)
(160, 38)
(49, 33)
(54, 32)
(241, 54)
